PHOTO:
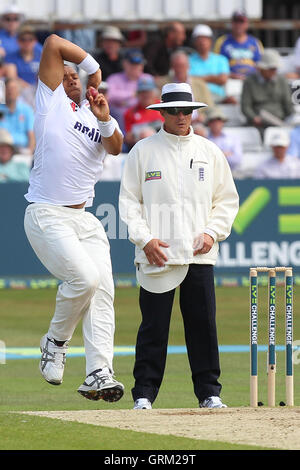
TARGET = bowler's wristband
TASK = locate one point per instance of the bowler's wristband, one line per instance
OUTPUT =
(89, 65)
(107, 128)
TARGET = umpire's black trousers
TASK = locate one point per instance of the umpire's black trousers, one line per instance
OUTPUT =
(198, 308)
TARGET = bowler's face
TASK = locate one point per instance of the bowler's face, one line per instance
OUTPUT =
(177, 125)
(72, 84)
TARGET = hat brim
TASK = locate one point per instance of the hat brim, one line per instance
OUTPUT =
(263, 66)
(178, 104)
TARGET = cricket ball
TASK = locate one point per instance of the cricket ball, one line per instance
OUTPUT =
(92, 92)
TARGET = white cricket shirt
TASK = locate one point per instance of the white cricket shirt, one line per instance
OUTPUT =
(68, 159)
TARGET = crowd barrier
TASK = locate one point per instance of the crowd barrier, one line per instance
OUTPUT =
(266, 232)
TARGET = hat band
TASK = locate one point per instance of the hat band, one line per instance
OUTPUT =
(176, 96)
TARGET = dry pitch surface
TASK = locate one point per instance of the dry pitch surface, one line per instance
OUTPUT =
(266, 427)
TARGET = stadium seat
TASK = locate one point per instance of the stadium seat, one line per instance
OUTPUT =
(123, 9)
(177, 9)
(35, 9)
(149, 10)
(249, 163)
(66, 9)
(203, 10)
(234, 88)
(233, 114)
(249, 136)
(270, 131)
(99, 9)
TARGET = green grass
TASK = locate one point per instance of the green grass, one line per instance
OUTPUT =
(25, 316)
(74, 436)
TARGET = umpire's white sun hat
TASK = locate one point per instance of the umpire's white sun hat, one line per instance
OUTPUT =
(177, 95)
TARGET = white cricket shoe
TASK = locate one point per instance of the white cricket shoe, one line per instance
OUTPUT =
(100, 384)
(142, 404)
(212, 402)
(53, 360)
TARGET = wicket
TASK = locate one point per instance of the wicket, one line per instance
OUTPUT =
(288, 275)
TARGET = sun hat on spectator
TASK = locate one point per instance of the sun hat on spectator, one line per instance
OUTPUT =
(6, 138)
(202, 30)
(215, 113)
(112, 32)
(12, 10)
(280, 139)
(270, 59)
(176, 95)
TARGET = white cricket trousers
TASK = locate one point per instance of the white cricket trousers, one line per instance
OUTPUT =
(73, 246)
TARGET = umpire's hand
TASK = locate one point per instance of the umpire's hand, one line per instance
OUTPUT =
(202, 244)
(154, 254)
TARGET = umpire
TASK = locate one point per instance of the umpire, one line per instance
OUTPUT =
(179, 200)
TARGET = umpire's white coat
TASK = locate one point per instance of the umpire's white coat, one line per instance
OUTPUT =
(175, 188)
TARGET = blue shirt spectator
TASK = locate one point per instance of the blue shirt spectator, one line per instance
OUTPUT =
(17, 118)
(27, 57)
(10, 169)
(241, 49)
(294, 147)
(213, 68)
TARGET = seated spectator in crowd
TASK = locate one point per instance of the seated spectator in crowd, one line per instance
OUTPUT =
(294, 147)
(241, 49)
(136, 39)
(231, 147)
(268, 91)
(138, 117)
(11, 20)
(158, 54)
(213, 68)
(17, 118)
(27, 57)
(179, 73)
(290, 66)
(280, 165)
(6, 71)
(122, 86)
(110, 58)
(11, 170)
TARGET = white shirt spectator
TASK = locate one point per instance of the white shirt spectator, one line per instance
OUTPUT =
(274, 169)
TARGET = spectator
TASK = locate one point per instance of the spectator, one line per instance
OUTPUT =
(122, 86)
(179, 73)
(266, 91)
(158, 55)
(10, 169)
(110, 59)
(213, 68)
(17, 118)
(136, 39)
(11, 20)
(231, 147)
(138, 118)
(27, 57)
(241, 49)
(280, 165)
(6, 71)
(294, 147)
